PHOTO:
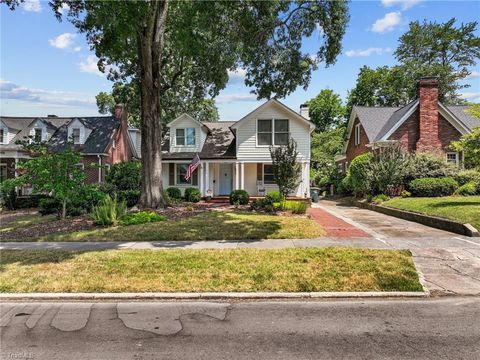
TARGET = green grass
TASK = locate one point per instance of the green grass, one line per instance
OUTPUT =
(210, 225)
(249, 270)
(23, 221)
(465, 209)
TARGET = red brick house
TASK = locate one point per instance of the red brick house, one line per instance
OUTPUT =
(424, 125)
(102, 140)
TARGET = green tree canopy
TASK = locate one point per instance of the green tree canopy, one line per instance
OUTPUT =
(326, 110)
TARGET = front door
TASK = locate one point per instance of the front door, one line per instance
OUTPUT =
(225, 179)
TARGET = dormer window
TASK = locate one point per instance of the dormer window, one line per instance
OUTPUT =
(76, 135)
(37, 135)
(185, 137)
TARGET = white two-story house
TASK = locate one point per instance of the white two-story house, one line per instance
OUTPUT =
(235, 155)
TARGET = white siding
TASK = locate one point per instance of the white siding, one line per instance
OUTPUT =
(247, 148)
(84, 132)
(182, 123)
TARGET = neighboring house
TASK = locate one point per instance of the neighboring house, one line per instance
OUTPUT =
(424, 125)
(101, 140)
(235, 155)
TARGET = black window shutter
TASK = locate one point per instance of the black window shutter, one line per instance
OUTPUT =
(171, 174)
(259, 171)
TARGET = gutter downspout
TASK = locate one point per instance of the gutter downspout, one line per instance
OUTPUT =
(99, 168)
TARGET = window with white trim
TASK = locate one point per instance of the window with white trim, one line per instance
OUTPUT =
(37, 134)
(265, 173)
(76, 135)
(357, 134)
(452, 157)
(3, 136)
(181, 171)
(185, 137)
(273, 132)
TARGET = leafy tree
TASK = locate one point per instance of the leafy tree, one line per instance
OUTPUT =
(326, 110)
(469, 144)
(125, 175)
(127, 94)
(324, 147)
(56, 173)
(286, 168)
(195, 43)
(474, 110)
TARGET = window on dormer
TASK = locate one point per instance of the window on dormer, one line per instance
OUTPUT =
(76, 136)
(2, 136)
(37, 137)
(185, 136)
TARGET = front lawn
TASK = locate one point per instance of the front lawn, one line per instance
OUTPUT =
(248, 270)
(465, 209)
(208, 225)
(23, 221)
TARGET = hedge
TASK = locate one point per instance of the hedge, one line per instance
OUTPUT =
(239, 197)
(432, 187)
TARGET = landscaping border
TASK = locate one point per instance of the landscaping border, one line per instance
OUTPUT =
(429, 220)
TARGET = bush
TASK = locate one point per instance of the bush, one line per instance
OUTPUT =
(467, 176)
(380, 198)
(192, 194)
(387, 170)
(405, 194)
(468, 189)
(174, 193)
(431, 187)
(109, 211)
(8, 195)
(141, 217)
(125, 175)
(263, 204)
(296, 207)
(344, 186)
(239, 197)
(48, 206)
(275, 196)
(426, 165)
(131, 197)
(360, 174)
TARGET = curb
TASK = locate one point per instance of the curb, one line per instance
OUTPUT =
(212, 295)
(428, 220)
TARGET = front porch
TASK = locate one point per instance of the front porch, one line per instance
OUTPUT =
(220, 177)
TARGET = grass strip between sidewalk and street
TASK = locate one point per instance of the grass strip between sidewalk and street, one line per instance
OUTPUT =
(239, 270)
(465, 209)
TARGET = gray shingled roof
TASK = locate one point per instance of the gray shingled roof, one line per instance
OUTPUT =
(395, 118)
(219, 144)
(459, 112)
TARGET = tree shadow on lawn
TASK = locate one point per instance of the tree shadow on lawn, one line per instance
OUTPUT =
(444, 204)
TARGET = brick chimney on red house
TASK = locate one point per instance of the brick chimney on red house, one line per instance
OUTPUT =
(429, 137)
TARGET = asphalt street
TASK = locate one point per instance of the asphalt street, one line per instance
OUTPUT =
(436, 328)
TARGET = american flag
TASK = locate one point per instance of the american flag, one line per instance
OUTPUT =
(192, 167)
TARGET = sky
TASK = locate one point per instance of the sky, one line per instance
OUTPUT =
(46, 67)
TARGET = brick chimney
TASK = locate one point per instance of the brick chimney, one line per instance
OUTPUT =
(429, 137)
(122, 115)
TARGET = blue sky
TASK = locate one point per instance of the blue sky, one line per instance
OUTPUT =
(47, 68)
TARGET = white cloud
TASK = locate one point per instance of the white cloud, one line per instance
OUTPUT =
(64, 8)
(471, 96)
(65, 42)
(228, 98)
(32, 5)
(368, 52)
(404, 4)
(90, 66)
(473, 74)
(388, 22)
(237, 76)
(12, 91)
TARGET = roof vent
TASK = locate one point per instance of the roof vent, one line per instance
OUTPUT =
(52, 116)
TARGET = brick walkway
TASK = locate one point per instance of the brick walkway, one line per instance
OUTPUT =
(334, 226)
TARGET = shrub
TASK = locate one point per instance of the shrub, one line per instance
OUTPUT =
(468, 189)
(387, 170)
(296, 207)
(275, 196)
(344, 186)
(8, 195)
(109, 211)
(192, 194)
(426, 165)
(48, 206)
(174, 193)
(380, 198)
(263, 204)
(166, 197)
(361, 174)
(239, 197)
(131, 197)
(467, 176)
(141, 217)
(125, 175)
(431, 187)
(405, 194)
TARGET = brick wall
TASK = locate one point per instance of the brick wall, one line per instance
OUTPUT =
(408, 133)
(355, 150)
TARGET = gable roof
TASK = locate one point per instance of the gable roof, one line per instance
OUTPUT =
(219, 144)
(186, 116)
(283, 106)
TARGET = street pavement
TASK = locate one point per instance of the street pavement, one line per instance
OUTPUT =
(440, 328)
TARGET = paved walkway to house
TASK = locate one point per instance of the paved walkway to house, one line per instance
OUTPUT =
(448, 263)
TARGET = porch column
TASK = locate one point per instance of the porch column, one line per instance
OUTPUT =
(200, 182)
(242, 179)
(307, 178)
(237, 179)
(207, 177)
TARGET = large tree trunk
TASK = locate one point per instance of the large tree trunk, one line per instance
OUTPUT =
(151, 43)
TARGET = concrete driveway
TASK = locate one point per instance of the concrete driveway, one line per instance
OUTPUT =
(449, 263)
